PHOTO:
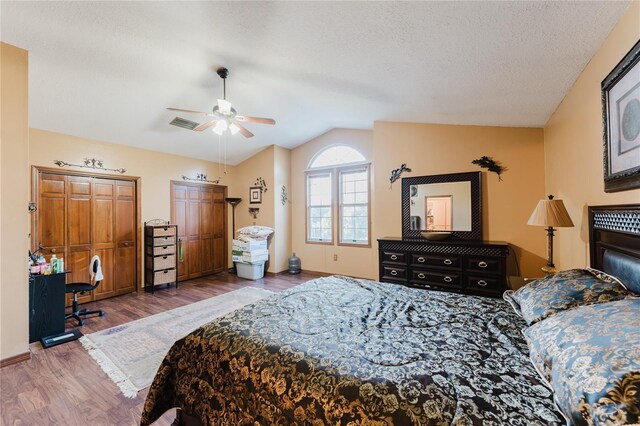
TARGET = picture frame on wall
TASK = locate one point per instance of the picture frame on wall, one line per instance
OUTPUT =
(255, 195)
(621, 124)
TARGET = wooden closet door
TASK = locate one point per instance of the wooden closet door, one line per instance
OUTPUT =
(79, 233)
(206, 230)
(104, 241)
(194, 248)
(180, 218)
(125, 238)
(219, 230)
(52, 217)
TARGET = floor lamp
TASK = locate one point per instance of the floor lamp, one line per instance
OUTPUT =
(550, 213)
(234, 202)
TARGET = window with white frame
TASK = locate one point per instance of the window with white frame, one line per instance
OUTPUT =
(338, 197)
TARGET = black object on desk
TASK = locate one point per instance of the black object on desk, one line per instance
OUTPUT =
(46, 305)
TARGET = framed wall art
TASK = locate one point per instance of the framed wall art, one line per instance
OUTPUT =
(255, 195)
(621, 124)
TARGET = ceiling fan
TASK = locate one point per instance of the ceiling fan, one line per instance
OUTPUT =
(223, 116)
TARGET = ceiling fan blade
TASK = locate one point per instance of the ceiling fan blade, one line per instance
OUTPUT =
(245, 132)
(256, 120)
(205, 125)
(188, 111)
(224, 106)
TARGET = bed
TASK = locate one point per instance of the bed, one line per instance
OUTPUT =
(339, 350)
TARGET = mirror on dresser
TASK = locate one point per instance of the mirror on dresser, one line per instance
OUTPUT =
(449, 202)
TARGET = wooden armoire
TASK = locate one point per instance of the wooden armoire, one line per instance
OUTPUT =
(80, 215)
(200, 212)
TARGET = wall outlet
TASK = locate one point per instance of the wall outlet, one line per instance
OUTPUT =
(335, 257)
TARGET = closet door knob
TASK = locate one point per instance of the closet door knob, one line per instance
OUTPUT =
(482, 283)
(482, 264)
(448, 262)
(447, 279)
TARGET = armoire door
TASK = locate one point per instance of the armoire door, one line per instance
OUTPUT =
(125, 258)
(104, 239)
(200, 213)
(179, 217)
(79, 246)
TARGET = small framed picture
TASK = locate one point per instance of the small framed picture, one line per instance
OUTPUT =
(621, 124)
(255, 195)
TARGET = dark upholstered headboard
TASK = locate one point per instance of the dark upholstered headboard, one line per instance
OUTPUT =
(614, 241)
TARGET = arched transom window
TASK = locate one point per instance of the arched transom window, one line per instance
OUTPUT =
(338, 197)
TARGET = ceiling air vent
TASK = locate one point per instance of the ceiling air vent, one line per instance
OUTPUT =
(185, 124)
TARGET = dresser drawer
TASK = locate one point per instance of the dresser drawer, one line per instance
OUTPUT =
(394, 273)
(161, 231)
(420, 277)
(484, 264)
(448, 262)
(484, 284)
(163, 241)
(393, 257)
(161, 250)
(161, 262)
(161, 277)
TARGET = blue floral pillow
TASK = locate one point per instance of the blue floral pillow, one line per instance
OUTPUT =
(590, 356)
(564, 290)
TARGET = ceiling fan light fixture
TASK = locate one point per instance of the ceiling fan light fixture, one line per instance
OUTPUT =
(233, 128)
(221, 127)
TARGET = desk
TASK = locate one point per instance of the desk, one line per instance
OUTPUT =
(46, 305)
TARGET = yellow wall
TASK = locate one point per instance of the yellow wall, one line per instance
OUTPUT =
(155, 169)
(14, 196)
(355, 261)
(573, 145)
(282, 236)
(430, 149)
(246, 174)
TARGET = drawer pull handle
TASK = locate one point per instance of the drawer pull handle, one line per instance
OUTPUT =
(482, 283)
(421, 259)
(394, 273)
(427, 286)
(447, 279)
(483, 264)
(394, 257)
(448, 262)
(126, 244)
(166, 272)
(421, 276)
(53, 250)
(164, 257)
(164, 247)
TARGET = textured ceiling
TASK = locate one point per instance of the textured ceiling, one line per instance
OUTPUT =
(108, 70)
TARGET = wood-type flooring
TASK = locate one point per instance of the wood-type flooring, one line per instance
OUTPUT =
(63, 385)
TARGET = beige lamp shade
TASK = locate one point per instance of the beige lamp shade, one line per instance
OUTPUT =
(550, 213)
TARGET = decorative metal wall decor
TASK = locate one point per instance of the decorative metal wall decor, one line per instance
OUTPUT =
(490, 164)
(621, 124)
(90, 163)
(200, 177)
(261, 184)
(395, 173)
(283, 195)
(253, 211)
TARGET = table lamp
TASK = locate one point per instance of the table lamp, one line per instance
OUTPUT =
(550, 213)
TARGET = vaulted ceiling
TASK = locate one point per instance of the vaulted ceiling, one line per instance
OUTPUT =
(108, 70)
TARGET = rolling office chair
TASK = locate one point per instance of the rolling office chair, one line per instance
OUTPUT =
(95, 275)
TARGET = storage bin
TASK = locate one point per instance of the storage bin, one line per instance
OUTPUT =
(250, 271)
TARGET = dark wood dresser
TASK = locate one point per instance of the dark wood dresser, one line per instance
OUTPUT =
(468, 267)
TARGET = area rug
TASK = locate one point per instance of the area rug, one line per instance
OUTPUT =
(131, 353)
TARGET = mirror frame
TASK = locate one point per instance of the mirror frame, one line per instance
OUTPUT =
(476, 203)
